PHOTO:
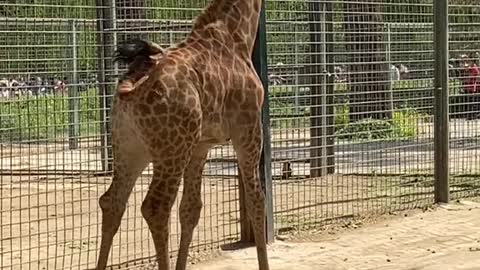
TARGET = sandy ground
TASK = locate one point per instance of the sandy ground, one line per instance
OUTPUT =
(445, 238)
(54, 223)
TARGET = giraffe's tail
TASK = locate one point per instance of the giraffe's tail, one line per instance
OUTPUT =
(133, 48)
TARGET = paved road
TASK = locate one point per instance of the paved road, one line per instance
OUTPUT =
(388, 157)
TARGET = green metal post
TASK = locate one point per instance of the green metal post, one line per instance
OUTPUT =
(73, 96)
(441, 129)
(322, 127)
(330, 87)
(260, 63)
(106, 39)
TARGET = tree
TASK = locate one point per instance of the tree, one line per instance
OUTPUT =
(364, 33)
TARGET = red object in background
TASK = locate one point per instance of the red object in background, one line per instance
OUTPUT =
(471, 82)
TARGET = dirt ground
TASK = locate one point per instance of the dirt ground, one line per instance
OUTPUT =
(54, 223)
(445, 238)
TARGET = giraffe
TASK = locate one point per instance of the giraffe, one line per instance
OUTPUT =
(170, 108)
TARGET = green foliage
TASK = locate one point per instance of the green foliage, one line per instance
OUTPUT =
(173, 9)
(286, 115)
(45, 47)
(366, 129)
(463, 28)
(287, 37)
(68, 9)
(403, 125)
(341, 116)
(47, 117)
(36, 36)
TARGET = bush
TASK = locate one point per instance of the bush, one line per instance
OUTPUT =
(366, 129)
(47, 117)
(403, 125)
(284, 113)
(341, 116)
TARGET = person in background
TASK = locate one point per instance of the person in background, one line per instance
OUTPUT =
(4, 90)
(471, 86)
(404, 72)
(394, 73)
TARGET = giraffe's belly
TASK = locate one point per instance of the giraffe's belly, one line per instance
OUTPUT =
(214, 133)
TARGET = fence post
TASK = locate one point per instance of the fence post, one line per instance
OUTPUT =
(441, 88)
(321, 71)
(106, 40)
(389, 61)
(330, 88)
(259, 59)
(73, 98)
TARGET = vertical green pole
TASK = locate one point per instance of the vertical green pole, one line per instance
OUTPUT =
(322, 123)
(317, 89)
(329, 49)
(441, 129)
(73, 101)
(389, 61)
(106, 39)
(260, 63)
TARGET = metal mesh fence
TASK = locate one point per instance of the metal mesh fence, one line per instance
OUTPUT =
(57, 78)
(464, 72)
(351, 105)
(50, 128)
(352, 128)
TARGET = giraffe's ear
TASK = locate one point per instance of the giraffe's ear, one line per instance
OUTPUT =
(156, 57)
(155, 51)
(154, 48)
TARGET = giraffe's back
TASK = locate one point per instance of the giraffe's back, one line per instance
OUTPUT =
(227, 84)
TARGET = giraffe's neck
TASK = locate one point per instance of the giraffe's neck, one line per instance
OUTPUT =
(240, 16)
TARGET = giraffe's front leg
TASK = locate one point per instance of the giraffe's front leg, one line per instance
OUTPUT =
(130, 159)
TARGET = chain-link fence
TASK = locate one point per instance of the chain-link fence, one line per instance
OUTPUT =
(352, 109)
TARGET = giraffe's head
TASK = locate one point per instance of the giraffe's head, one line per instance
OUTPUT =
(140, 56)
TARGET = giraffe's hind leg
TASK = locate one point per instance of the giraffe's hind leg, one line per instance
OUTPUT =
(247, 142)
(191, 205)
(157, 206)
(170, 156)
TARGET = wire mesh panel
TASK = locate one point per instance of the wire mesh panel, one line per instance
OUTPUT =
(351, 107)
(464, 46)
(57, 80)
(351, 104)
(50, 115)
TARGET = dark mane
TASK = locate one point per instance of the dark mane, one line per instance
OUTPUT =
(134, 48)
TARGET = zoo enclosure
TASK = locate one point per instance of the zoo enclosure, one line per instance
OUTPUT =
(349, 135)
